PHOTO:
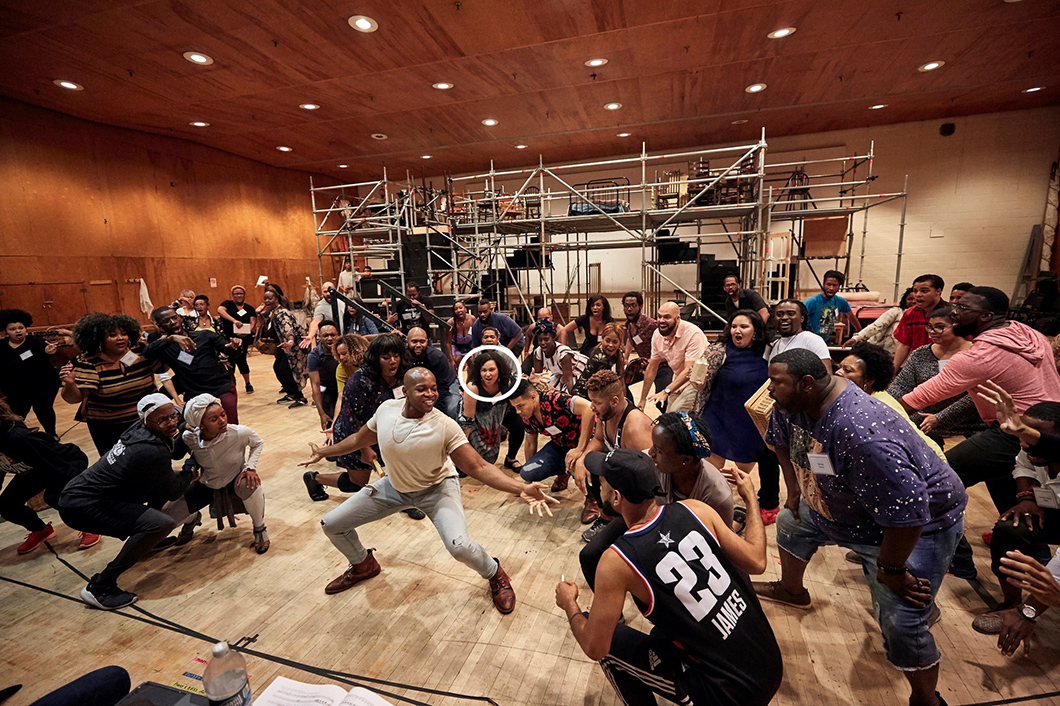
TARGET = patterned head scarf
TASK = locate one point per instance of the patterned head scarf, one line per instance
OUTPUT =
(699, 441)
(544, 327)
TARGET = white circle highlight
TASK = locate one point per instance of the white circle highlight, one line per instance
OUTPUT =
(500, 349)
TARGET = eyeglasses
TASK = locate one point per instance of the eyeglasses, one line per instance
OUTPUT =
(938, 328)
(960, 306)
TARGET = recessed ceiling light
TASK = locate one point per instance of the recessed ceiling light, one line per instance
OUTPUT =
(199, 123)
(284, 148)
(612, 106)
(197, 57)
(1032, 90)
(363, 24)
(595, 62)
(343, 166)
(426, 156)
(68, 85)
(782, 32)
(931, 65)
(443, 85)
(489, 122)
(877, 106)
(309, 106)
(756, 88)
(520, 147)
(741, 121)
(624, 134)
(378, 136)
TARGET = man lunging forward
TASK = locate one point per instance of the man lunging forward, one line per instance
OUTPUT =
(421, 446)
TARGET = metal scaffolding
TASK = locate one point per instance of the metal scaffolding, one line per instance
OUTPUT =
(480, 231)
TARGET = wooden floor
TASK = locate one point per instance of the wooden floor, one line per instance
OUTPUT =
(427, 620)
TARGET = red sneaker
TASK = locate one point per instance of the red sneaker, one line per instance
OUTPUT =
(987, 537)
(36, 538)
(88, 540)
(769, 517)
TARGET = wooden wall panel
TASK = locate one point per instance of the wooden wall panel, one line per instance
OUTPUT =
(95, 208)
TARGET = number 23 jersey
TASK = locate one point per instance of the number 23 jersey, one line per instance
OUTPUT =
(699, 601)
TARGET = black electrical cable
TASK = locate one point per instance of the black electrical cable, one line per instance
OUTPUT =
(344, 677)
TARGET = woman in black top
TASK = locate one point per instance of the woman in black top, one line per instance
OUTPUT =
(591, 323)
(27, 377)
(49, 466)
(233, 313)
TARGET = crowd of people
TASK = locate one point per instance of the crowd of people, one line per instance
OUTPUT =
(865, 445)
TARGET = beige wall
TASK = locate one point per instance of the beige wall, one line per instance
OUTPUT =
(85, 207)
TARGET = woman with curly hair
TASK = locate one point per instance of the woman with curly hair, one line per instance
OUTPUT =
(27, 378)
(289, 366)
(872, 368)
(597, 315)
(491, 374)
(378, 380)
(109, 377)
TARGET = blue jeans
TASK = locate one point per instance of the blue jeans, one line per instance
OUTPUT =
(906, 639)
(440, 502)
(549, 461)
(103, 687)
(450, 401)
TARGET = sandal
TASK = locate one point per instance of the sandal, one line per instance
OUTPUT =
(513, 465)
(261, 540)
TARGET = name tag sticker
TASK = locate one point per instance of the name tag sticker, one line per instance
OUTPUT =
(399, 392)
(637, 340)
(242, 329)
(1046, 498)
(820, 464)
(553, 431)
(241, 313)
(26, 355)
(129, 358)
(323, 389)
(184, 357)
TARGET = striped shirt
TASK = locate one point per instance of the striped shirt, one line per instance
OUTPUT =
(111, 395)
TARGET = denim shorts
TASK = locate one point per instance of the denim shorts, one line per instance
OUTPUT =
(906, 639)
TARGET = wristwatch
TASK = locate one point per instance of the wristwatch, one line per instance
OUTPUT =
(667, 391)
(1029, 612)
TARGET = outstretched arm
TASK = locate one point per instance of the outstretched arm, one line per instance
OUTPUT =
(364, 437)
(468, 460)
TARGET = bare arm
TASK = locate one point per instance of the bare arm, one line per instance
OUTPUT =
(584, 409)
(649, 379)
(223, 313)
(764, 313)
(900, 354)
(749, 551)
(566, 366)
(790, 481)
(468, 460)
(565, 331)
(595, 632)
(72, 394)
(363, 438)
(311, 336)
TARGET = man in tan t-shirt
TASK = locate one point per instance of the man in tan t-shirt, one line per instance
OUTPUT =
(421, 446)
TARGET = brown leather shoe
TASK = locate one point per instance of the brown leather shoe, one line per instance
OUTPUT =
(591, 510)
(561, 482)
(501, 590)
(354, 575)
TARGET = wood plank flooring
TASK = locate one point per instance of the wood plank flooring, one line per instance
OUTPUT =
(427, 620)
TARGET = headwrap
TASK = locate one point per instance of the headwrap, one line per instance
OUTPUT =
(238, 286)
(196, 407)
(699, 441)
(544, 326)
(149, 403)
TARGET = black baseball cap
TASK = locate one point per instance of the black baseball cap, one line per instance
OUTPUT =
(628, 471)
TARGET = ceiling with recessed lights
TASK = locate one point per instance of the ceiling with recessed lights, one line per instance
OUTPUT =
(470, 81)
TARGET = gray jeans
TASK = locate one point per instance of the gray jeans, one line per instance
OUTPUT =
(440, 502)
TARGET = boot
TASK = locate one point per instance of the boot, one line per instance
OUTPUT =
(501, 591)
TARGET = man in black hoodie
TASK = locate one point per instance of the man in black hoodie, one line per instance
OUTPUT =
(122, 493)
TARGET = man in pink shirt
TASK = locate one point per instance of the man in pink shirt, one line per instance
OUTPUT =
(679, 344)
(1014, 356)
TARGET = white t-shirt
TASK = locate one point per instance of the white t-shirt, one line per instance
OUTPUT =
(347, 278)
(416, 450)
(803, 339)
(553, 366)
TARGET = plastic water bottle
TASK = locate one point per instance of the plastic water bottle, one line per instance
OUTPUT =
(225, 678)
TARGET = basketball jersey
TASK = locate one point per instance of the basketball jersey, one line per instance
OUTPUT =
(703, 605)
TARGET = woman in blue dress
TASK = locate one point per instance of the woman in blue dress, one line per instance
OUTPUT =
(735, 370)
